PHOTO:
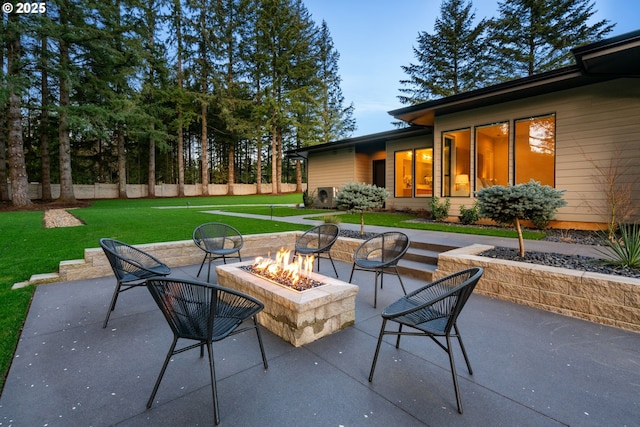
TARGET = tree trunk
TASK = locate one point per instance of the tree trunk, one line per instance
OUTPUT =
(66, 181)
(231, 178)
(274, 162)
(180, 155)
(298, 177)
(205, 149)
(279, 162)
(258, 164)
(520, 238)
(122, 164)
(151, 182)
(362, 223)
(17, 167)
(45, 166)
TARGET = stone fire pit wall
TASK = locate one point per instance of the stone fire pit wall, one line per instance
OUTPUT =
(600, 298)
(297, 317)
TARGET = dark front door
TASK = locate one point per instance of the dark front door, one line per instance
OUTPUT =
(379, 173)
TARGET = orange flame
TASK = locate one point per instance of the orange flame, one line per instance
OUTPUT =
(283, 268)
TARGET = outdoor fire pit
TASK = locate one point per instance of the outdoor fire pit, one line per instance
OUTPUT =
(299, 315)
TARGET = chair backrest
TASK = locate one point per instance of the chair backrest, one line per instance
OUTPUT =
(386, 248)
(200, 311)
(320, 237)
(127, 261)
(215, 236)
(453, 292)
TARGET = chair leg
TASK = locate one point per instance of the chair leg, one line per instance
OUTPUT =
(454, 374)
(202, 264)
(399, 335)
(112, 306)
(334, 266)
(164, 368)
(375, 288)
(400, 279)
(264, 357)
(353, 267)
(375, 356)
(464, 352)
(214, 391)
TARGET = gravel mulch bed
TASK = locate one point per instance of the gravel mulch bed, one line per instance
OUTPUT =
(574, 262)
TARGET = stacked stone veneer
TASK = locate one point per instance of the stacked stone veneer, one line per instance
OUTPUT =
(297, 317)
(605, 299)
(184, 252)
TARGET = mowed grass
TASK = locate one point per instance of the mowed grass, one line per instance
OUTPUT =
(27, 248)
(403, 220)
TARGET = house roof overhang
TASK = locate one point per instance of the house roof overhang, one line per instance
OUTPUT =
(596, 62)
(371, 142)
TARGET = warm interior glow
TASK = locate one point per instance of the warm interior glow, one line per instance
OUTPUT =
(283, 269)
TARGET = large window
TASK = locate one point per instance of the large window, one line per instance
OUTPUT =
(492, 155)
(424, 172)
(456, 163)
(403, 173)
(535, 150)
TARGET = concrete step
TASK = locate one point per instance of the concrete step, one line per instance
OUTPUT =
(436, 247)
(416, 269)
(422, 255)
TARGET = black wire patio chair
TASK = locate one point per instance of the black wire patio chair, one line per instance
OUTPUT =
(131, 266)
(432, 311)
(217, 240)
(318, 241)
(205, 313)
(381, 254)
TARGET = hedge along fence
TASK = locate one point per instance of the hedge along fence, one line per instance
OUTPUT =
(135, 191)
(601, 298)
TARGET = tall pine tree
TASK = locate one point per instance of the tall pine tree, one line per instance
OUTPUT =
(451, 60)
(533, 36)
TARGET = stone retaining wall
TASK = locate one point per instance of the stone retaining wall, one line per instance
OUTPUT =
(605, 299)
(184, 252)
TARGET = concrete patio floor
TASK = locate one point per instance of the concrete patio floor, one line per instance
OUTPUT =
(531, 368)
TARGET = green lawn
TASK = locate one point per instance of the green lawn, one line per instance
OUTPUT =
(402, 220)
(27, 248)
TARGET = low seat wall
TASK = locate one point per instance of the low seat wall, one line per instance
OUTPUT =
(183, 252)
(600, 298)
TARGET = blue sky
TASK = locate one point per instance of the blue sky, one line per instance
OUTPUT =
(376, 37)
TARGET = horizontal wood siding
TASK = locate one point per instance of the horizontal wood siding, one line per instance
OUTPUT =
(597, 126)
(364, 168)
(331, 169)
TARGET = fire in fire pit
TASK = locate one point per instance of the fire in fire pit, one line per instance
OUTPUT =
(284, 272)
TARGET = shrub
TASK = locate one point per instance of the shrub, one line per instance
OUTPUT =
(469, 216)
(439, 210)
(509, 205)
(308, 198)
(356, 197)
(625, 246)
(332, 219)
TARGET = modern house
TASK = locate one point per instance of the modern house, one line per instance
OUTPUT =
(572, 128)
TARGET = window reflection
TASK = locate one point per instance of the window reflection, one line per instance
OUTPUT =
(535, 147)
(424, 172)
(403, 173)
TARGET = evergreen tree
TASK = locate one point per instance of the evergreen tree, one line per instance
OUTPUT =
(15, 85)
(336, 120)
(4, 193)
(534, 36)
(451, 60)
